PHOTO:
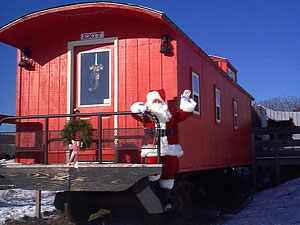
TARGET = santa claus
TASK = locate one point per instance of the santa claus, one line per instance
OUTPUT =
(168, 120)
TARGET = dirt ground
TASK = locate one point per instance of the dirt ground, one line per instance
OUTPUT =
(103, 217)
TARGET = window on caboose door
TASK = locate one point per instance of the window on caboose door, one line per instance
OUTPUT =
(94, 78)
(196, 92)
(218, 105)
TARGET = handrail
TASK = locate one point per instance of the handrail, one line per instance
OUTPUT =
(65, 115)
(47, 117)
(154, 117)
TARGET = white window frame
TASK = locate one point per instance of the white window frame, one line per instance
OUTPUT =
(235, 115)
(218, 105)
(195, 93)
(107, 101)
(70, 80)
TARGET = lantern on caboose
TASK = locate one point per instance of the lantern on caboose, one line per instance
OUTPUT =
(165, 46)
(25, 61)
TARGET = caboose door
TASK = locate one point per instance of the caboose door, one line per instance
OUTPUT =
(94, 91)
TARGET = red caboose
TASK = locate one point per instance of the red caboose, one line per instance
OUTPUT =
(102, 57)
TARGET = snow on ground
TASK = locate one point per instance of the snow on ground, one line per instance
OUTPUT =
(275, 206)
(18, 204)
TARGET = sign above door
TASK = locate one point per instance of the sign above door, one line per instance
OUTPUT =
(92, 35)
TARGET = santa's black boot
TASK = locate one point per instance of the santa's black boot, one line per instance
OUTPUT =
(154, 185)
(165, 197)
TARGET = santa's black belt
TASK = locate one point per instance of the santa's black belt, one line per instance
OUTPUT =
(166, 132)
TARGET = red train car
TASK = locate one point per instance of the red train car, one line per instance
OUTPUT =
(126, 50)
(130, 37)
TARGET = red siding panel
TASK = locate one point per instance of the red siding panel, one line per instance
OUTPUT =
(143, 63)
(131, 72)
(155, 79)
(122, 79)
(206, 143)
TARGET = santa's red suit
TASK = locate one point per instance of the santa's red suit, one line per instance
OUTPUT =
(168, 119)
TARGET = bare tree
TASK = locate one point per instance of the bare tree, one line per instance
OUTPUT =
(281, 103)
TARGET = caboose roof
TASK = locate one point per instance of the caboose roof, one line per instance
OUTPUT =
(17, 32)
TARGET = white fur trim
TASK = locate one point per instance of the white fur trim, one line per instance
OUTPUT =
(167, 184)
(152, 95)
(154, 177)
(187, 106)
(137, 107)
(165, 149)
(148, 151)
(163, 125)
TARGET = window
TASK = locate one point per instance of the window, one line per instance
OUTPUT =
(218, 105)
(235, 114)
(231, 74)
(196, 92)
(94, 78)
(217, 63)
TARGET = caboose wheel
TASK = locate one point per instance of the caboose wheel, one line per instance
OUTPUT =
(182, 196)
(75, 215)
(154, 219)
(76, 210)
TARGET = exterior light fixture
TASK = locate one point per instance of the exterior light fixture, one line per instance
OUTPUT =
(25, 61)
(165, 46)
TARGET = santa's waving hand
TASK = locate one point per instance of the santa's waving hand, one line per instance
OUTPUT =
(170, 149)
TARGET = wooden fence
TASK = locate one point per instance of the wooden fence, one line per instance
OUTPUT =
(274, 146)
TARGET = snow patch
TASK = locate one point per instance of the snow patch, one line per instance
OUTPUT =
(18, 204)
(278, 206)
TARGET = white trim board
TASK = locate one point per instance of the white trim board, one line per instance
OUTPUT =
(70, 75)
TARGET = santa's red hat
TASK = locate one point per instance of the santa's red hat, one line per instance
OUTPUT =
(157, 94)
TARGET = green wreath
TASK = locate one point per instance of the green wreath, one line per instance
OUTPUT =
(69, 132)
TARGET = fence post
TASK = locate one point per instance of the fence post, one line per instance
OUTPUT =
(253, 159)
(38, 204)
(116, 141)
(100, 138)
(158, 146)
(277, 158)
(46, 141)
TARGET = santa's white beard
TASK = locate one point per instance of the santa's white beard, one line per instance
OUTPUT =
(161, 111)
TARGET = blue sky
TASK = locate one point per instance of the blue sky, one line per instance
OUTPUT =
(260, 38)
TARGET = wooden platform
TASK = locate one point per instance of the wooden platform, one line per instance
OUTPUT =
(88, 177)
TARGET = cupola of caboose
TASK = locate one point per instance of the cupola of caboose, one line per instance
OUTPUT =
(226, 66)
